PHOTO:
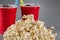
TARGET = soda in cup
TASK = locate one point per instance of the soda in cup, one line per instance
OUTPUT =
(7, 16)
(30, 8)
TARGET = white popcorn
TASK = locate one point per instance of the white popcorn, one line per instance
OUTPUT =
(29, 29)
(52, 27)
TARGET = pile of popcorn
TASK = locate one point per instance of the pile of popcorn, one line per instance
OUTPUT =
(29, 29)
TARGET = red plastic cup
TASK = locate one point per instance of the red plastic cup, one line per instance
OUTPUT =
(7, 17)
(30, 8)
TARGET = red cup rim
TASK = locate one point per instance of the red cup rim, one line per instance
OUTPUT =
(32, 5)
(13, 6)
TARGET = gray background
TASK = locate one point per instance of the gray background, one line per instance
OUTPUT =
(49, 13)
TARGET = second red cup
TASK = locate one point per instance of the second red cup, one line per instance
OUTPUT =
(30, 8)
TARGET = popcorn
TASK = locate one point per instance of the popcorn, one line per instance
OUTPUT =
(52, 27)
(29, 29)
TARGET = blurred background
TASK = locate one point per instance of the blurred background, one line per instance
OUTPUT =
(49, 12)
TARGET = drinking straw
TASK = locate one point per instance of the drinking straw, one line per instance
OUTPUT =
(22, 2)
(16, 2)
